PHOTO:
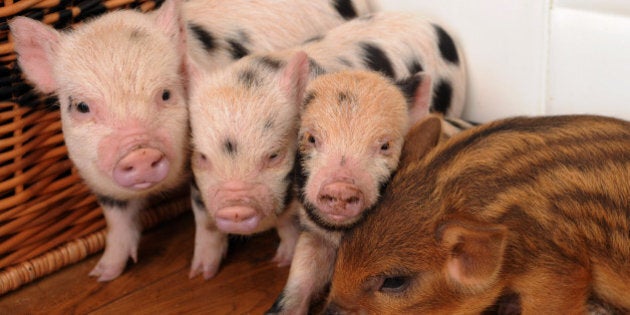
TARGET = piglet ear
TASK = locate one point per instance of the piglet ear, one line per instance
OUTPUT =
(35, 44)
(475, 253)
(170, 20)
(417, 89)
(294, 77)
(421, 138)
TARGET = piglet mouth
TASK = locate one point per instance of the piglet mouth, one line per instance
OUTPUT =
(238, 219)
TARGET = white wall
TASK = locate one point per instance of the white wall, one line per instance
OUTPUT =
(534, 57)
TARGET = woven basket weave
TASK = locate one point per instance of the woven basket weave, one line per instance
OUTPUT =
(48, 217)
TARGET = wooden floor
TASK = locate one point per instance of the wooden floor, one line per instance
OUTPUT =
(247, 283)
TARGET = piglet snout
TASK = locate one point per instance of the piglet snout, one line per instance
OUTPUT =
(340, 200)
(237, 219)
(141, 168)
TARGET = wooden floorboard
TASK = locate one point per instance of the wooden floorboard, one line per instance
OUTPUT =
(247, 283)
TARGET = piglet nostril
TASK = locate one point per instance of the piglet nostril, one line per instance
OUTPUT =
(157, 161)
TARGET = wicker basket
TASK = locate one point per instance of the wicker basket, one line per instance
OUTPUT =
(48, 217)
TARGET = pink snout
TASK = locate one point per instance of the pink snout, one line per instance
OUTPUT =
(141, 168)
(237, 219)
(340, 201)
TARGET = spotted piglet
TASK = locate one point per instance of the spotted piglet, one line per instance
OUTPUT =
(244, 120)
(221, 31)
(245, 143)
(352, 129)
(121, 80)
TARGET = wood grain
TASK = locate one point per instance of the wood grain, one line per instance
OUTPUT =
(248, 282)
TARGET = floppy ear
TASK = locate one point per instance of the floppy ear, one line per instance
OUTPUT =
(294, 77)
(35, 43)
(417, 90)
(475, 253)
(421, 138)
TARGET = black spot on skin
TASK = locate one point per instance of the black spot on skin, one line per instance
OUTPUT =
(344, 62)
(376, 60)
(345, 9)
(237, 50)
(310, 96)
(409, 86)
(442, 95)
(446, 45)
(136, 34)
(315, 68)
(230, 147)
(237, 46)
(272, 63)
(343, 97)
(249, 79)
(196, 196)
(414, 67)
(314, 39)
(268, 124)
(205, 37)
(110, 202)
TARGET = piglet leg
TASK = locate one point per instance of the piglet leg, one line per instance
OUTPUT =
(123, 236)
(311, 270)
(210, 244)
(288, 230)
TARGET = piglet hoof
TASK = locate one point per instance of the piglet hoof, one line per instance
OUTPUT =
(284, 254)
(207, 266)
(106, 271)
(113, 263)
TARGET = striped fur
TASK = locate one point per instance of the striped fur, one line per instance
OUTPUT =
(536, 206)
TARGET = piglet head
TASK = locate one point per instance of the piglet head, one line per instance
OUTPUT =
(244, 127)
(121, 94)
(352, 129)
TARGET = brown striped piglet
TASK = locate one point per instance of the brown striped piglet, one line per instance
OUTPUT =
(121, 83)
(244, 120)
(539, 207)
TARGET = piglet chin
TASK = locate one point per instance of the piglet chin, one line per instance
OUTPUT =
(237, 220)
(339, 218)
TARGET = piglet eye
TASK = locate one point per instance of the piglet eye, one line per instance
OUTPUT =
(311, 139)
(83, 107)
(273, 156)
(385, 146)
(394, 284)
(166, 95)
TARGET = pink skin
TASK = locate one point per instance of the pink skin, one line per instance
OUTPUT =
(136, 158)
(238, 207)
(341, 191)
(141, 168)
(340, 199)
